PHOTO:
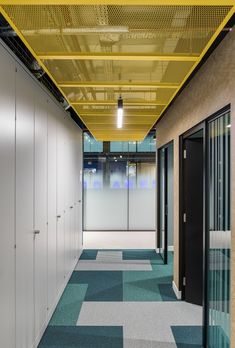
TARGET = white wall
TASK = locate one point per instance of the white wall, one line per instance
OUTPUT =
(40, 189)
(119, 239)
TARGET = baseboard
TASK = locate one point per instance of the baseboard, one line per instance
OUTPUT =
(177, 292)
(50, 313)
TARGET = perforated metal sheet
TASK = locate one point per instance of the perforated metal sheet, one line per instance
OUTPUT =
(144, 53)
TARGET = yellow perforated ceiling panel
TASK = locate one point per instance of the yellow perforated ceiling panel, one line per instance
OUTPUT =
(97, 51)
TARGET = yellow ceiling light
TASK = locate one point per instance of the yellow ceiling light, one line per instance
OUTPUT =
(96, 50)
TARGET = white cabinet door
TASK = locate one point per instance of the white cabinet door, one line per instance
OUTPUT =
(51, 194)
(60, 202)
(7, 200)
(24, 210)
(79, 182)
(40, 212)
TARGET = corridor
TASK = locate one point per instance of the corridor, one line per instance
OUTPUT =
(117, 173)
(118, 299)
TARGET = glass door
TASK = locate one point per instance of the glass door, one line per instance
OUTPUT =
(162, 208)
(218, 294)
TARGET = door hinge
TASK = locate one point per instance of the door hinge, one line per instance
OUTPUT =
(185, 154)
(184, 281)
(184, 217)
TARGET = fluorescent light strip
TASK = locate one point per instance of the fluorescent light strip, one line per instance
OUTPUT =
(119, 118)
(81, 30)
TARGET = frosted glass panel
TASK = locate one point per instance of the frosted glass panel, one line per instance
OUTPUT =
(142, 195)
(119, 194)
(105, 195)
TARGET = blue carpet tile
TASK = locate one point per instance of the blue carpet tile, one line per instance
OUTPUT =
(141, 255)
(102, 285)
(187, 336)
(82, 337)
(89, 254)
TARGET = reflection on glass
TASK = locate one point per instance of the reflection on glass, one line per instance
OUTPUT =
(147, 145)
(92, 145)
(219, 234)
(119, 146)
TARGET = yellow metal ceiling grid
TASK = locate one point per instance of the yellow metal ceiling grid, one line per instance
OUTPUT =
(95, 53)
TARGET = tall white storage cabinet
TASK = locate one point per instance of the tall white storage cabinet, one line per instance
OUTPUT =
(60, 203)
(51, 206)
(39, 181)
(7, 200)
(40, 210)
(24, 209)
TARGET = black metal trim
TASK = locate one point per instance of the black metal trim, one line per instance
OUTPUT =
(165, 146)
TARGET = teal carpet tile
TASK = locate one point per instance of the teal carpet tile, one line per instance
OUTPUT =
(187, 336)
(141, 255)
(89, 254)
(102, 285)
(68, 308)
(82, 337)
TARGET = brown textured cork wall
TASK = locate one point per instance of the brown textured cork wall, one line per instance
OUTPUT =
(212, 88)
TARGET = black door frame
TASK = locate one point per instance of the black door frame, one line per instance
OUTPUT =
(199, 127)
(165, 146)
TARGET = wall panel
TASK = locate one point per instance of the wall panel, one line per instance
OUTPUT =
(7, 200)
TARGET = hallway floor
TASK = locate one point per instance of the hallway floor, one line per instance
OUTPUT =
(122, 299)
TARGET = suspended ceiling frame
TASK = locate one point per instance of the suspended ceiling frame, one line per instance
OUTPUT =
(141, 115)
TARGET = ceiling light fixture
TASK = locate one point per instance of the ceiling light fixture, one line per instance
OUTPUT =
(81, 30)
(120, 113)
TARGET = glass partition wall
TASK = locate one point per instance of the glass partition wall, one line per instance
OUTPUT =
(218, 327)
(119, 189)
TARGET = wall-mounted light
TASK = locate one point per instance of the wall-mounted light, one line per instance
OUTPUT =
(120, 113)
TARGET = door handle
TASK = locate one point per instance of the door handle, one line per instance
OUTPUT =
(36, 232)
(58, 216)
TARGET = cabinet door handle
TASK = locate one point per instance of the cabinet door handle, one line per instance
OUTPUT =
(79, 200)
(36, 232)
(71, 207)
(58, 216)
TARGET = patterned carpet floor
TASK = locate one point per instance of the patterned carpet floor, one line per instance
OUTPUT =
(122, 299)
